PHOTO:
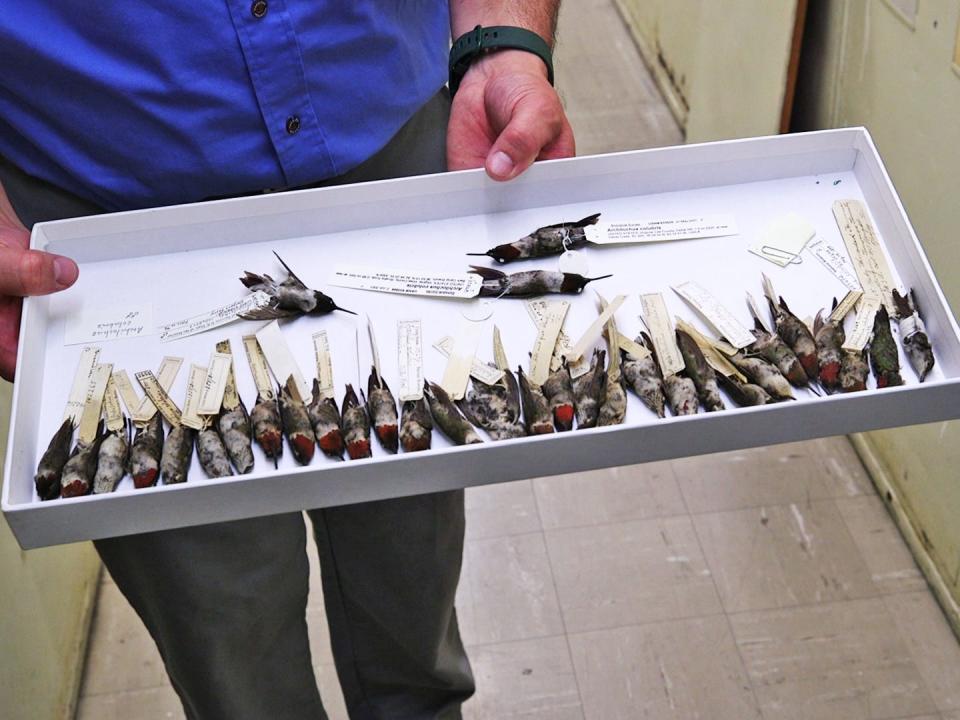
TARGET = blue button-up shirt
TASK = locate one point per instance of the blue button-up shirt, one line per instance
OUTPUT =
(150, 102)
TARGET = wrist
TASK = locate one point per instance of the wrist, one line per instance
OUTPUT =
(514, 49)
(507, 61)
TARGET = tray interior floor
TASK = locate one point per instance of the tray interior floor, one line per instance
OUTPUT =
(766, 583)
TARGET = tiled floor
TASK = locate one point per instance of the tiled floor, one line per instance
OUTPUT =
(768, 583)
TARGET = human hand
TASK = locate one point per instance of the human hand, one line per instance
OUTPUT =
(23, 272)
(505, 115)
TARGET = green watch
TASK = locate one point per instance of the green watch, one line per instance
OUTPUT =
(481, 40)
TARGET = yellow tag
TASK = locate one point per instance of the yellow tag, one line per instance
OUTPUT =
(714, 358)
(129, 396)
(863, 328)
(231, 398)
(461, 359)
(215, 384)
(863, 247)
(499, 354)
(321, 350)
(112, 411)
(596, 328)
(96, 389)
(190, 417)
(657, 318)
(846, 305)
(158, 396)
(633, 348)
(169, 367)
(546, 341)
(81, 381)
(258, 367)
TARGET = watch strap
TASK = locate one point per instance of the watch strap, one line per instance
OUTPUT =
(480, 40)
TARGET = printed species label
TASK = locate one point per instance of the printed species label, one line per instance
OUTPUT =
(684, 228)
(407, 282)
(863, 328)
(864, 249)
(410, 359)
(716, 315)
(101, 323)
(836, 262)
(657, 318)
(213, 318)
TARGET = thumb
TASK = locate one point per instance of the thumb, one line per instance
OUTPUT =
(535, 122)
(31, 272)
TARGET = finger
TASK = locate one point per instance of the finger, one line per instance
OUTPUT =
(9, 334)
(8, 363)
(535, 122)
(563, 146)
(31, 272)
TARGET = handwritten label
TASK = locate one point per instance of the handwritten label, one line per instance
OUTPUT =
(596, 328)
(845, 305)
(159, 397)
(281, 360)
(101, 323)
(407, 282)
(632, 347)
(81, 380)
(783, 239)
(657, 318)
(258, 367)
(191, 403)
(686, 228)
(169, 367)
(499, 354)
(863, 328)
(213, 318)
(410, 359)
(96, 388)
(717, 316)
(546, 341)
(112, 411)
(480, 370)
(864, 249)
(215, 384)
(613, 344)
(834, 261)
(321, 352)
(231, 398)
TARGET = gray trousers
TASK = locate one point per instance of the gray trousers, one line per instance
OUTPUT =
(226, 603)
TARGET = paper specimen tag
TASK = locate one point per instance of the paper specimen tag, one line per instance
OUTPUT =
(81, 380)
(213, 318)
(190, 417)
(461, 358)
(410, 359)
(613, 343)
(499, 354)
(407, 282)
(169, 367)
(96, 388)
(783, 239)
(845, 305)
(717, 316)
(863, 328)
(125, 388)
(281, 360)
(159, 397)
(479, 370)
(715, 359)
(215, 384)
(836, 262)
(112, 411)
(757, 313)
(537, 310)
(657, 318)
(374, 351)
(258, 367)
(100, 323)
(864, 249)
(596, 328)
(686, 228)
(546, 341)
(231, 398)
(632, 347)
(321, 352)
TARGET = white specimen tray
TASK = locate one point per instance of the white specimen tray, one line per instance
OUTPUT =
(186, 259)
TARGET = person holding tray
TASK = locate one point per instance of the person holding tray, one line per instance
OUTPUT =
(140, 106)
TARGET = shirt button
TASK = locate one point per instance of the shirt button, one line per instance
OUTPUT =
(259, 8)
(293, 124)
